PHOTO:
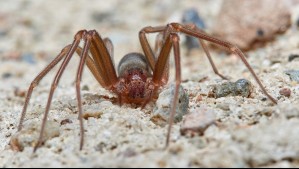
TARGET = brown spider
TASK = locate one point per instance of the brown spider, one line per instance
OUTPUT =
(140, 76)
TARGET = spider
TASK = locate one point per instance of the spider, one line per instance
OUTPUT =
(139, 76)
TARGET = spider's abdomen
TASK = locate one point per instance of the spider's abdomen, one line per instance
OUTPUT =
(134, 69)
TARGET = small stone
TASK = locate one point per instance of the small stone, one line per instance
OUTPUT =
(29, 58)
(241, 87)
(225, 89)
(223, 106)
(285, 92)
(28, 137)
(85, 87)
(197, 121)
(292, 57)
(6, 75)
(199, 98)
(65, 121)
(19, 93)
(101, 16)
(92, 113)
(161, 112)
(294, 74)
(129, 152)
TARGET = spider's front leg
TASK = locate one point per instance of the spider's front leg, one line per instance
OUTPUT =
(66, 51)
(100, 64)
(170, 39)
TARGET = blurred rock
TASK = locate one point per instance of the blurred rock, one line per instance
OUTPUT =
(251, 23)
(65, 121)
(270, 142)
(191, 16)
(285, 92)
(197, 121)
(294, 74)
(29, 58)
(289, 110)
(6, 75)
(29, 135)
(292, 57)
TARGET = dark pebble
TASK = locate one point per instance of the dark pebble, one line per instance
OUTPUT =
(285, 92)
(292, 57)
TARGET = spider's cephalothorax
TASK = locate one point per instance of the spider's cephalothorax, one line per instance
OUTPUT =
(134, 78)
(139, 76)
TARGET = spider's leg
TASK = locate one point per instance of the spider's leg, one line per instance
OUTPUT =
(103, 76)
(230, 47)
(96, 64)
(110, 48)
(84, 55)
(69, 55)
(161, 62)
(176, 48)
(92, 67)
(148, 52)
(158, 46)
(206, 50)
(36, 81)
(101, 50)
(169, 39)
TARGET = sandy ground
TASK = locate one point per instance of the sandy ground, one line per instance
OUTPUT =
(245, 132)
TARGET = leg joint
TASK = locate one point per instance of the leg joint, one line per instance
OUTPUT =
(80, 34)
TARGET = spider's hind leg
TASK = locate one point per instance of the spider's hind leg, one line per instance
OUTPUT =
(227, 45)
(206, 50)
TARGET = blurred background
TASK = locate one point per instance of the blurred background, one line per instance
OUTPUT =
(45, 27)
(32, 32)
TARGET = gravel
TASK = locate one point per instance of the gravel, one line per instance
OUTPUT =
(231, 131)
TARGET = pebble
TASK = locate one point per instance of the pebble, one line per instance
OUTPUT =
(6, 75)
(292, 57)
(19, 93)
(29, 58)
(65, 121)
(285, 92)
(294, 74)
(162, 108)
(93, 111)
(29, 135)
(197, 121)
(241, 87)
